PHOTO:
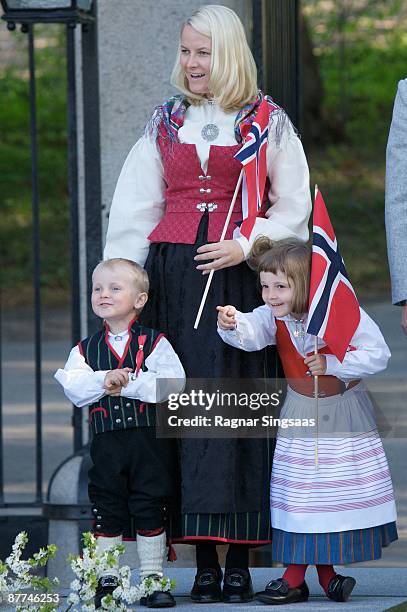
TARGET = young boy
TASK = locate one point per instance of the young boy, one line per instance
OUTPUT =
(115, 373)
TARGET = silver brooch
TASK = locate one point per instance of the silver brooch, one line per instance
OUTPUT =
(210, 131)
(299, 331)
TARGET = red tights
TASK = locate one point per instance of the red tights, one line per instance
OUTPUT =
(295, 574)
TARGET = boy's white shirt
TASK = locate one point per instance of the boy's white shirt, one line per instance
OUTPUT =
(84, 386)
(256, 330)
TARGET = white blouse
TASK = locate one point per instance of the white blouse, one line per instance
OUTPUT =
(138, 202)
(83, 386)
(257, 329)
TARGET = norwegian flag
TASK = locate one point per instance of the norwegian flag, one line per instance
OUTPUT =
(252, 156)
(333, 312)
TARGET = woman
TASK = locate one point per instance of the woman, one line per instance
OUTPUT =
(170, 203)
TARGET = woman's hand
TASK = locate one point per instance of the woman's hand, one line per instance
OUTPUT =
(316, 364)
(226, 317)
(223, 255)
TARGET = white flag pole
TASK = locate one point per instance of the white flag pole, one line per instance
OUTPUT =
(208, 283)
(316, 382)
(316, 404)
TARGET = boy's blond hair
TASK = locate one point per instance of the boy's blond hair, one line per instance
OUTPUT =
(141, 281)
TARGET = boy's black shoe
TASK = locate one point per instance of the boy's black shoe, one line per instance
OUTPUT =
(207, 586)
(237, 586)
(106, 586)
(279, 592)
(158, 599)
(340, 587)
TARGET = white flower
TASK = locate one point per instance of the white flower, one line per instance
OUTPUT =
(125, 572)
(16, 573)
(131, 595)
(87, 593)
(75, 585)
(87, 563)
(73, 599)
(40, 555)
(76, 567)
(92, 565)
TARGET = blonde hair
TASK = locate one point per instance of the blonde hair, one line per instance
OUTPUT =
(233, 79)
(141, 282)
(291, 257)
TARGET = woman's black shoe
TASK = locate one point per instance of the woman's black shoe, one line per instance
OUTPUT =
(340, 587)
(237, 586)
(106, 586)
(207, 587)
(279, 592)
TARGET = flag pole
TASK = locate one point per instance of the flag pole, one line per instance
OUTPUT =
(316, 404)
(209, 281)
(316, 383)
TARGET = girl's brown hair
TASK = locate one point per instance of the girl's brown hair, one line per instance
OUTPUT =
(291, 257)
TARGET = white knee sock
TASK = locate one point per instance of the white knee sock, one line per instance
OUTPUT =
(103, 544)
(151, 552)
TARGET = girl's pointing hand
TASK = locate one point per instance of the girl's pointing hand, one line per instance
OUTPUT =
(226, 317)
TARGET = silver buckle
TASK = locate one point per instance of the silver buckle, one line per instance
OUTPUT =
(212, 206)
(201, 206)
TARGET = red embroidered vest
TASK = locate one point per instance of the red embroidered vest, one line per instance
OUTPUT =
(189, 192)
(295, 368)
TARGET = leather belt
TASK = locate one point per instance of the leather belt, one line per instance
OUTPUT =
(328, 390)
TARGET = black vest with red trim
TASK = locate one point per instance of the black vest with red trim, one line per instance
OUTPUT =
(119, 413)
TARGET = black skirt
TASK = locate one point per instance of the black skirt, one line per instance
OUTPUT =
(225, 483)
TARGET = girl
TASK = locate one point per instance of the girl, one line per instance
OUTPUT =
(332, 499)
(168, 212)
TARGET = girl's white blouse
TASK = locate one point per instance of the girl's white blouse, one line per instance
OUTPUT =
(368, 352)
(138, 202)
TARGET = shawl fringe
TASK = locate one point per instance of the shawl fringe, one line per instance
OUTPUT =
(167, 118)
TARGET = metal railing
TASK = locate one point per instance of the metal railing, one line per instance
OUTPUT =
(72, 146)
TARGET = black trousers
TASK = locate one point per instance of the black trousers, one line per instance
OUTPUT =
(133, 478)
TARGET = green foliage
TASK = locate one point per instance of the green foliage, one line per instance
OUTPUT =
(364, 107)
(15, 166)
(353, 190)
(362, 52)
